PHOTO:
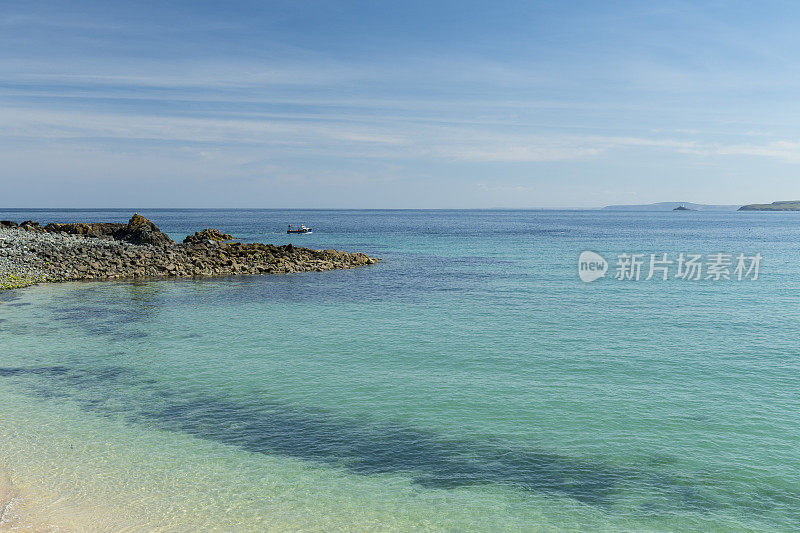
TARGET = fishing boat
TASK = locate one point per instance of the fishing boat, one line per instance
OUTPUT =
(301, 229)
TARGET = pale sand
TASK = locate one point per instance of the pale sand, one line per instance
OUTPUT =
(14, 514)
(6, 499)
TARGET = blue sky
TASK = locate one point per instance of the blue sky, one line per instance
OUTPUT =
(398, 104)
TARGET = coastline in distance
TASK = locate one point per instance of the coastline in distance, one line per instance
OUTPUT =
(671, 206)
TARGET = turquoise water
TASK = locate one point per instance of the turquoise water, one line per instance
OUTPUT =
(470, 381)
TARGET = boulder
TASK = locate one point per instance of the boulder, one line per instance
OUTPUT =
(207, 235)
(140, 230)
(30, 225)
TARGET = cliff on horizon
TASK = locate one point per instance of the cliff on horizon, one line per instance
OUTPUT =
(788, 205)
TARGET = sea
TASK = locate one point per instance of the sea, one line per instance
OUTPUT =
(470, 381)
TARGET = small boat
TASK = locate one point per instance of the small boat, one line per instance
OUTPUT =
(301, 229)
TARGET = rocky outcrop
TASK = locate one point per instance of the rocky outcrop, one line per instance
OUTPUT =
(30, 225)
(207, 235)
(99, 230)
(67, 252)
(138, 230)
(142, 231)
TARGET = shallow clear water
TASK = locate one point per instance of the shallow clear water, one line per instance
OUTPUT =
(469, 381)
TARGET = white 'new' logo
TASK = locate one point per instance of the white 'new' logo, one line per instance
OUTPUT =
(591, 266)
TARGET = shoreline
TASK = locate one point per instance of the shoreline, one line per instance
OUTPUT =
(14, 516)
(32, 254)
(7, 498)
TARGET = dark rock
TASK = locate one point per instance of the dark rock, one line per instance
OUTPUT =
(30, 225)
(207, 235)
(142, 231)
(8, 224)
(99, 229)
(138, 230)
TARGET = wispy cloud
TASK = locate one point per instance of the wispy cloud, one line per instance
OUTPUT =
(286, 96)
(365, 136)
(788, 151)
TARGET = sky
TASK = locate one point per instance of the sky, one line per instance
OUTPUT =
(398, 104)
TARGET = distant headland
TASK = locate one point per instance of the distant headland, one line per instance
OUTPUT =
(790, 205)
(672, 206)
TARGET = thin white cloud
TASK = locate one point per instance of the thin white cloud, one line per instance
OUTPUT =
(43, 124)
(352, 135)
(513, 154)
(788, 151)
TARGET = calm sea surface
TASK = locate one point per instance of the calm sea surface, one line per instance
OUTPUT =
(470, 381)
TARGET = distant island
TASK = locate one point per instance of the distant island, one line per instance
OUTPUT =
(791, 205)
(672, 206)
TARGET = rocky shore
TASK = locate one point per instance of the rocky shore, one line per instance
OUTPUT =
(31, 253)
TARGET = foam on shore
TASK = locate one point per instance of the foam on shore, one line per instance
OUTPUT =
(14, 515)
(7, 497)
